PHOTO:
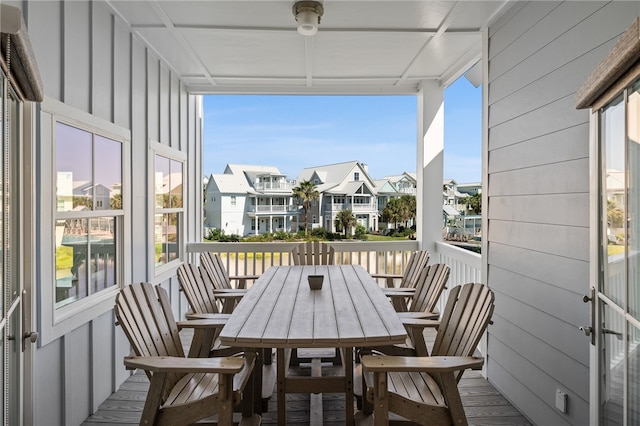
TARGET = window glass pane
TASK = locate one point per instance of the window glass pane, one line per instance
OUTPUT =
(72, 237)
(612, 365)
(162, 181)
(160, 239)
(633, 147)
(108, 174)
(102, 249)
(613, 222)
(74, 185)
(176, 184)
(166, 238)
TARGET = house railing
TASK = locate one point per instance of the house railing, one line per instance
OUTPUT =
(254, 258)
(466, 266)
(354, 207)
(273, 208)
(273, 186)
(376, 257)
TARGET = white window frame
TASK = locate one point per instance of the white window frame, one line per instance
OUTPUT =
(166, 271)
(55, 323)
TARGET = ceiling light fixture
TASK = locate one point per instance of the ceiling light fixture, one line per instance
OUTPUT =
(308, 15)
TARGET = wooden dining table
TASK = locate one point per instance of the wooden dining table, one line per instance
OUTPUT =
(281, 311)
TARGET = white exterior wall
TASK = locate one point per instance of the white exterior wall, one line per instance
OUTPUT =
(89, 60)
(233, 218)
(537, 183)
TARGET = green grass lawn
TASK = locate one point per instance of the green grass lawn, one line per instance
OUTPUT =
(374, 237)
(614, 249)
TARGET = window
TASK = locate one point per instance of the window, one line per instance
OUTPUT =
(169, 210)
(356, 176)
(88, 176)
(233, 200)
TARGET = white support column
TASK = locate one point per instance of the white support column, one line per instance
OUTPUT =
(429, 167)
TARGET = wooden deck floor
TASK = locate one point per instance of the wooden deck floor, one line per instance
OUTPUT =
(484, 405)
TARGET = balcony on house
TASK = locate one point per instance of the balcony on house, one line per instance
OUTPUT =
(273, 208)
(274, 185)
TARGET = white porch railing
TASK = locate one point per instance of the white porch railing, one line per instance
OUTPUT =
(466, 267)
(255, 258)
(375, 257)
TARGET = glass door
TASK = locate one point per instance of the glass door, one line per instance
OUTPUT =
(617, 298)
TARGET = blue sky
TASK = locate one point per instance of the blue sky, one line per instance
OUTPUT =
(295, 132)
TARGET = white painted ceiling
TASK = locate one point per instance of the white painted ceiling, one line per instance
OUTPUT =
(372, 47)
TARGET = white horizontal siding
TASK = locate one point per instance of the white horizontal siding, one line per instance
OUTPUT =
(537, 256)
(535, 208)
(555, 178)
(557, 147)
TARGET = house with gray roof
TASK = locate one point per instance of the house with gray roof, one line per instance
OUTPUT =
(248, 199)
(342, 186)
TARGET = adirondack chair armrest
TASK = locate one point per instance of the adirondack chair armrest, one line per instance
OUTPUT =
(243, 277)
(419, 315)
(234, 291)
(204, 315)
(229, 295)
(168, 364)
(203, 323)
(394, 290)
(428, 364)
(387, 276)
(399, 292)
(388, 279)
(419, 322)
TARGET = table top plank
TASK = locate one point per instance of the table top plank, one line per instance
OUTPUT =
(282, 320)
(385, 313)
(252, 320)
(280, 310)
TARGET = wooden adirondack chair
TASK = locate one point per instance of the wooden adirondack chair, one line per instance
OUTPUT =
(182, 390)
(422, 300)
(220, 278)
(417, 261)
(201, 294)
(313, 253)
(424, 390)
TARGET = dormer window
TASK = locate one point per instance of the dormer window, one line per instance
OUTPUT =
(356, 176)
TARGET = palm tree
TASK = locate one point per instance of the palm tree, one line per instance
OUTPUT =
(345, 220)
(306, 192)
(394, 212)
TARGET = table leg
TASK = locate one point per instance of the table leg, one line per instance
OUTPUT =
(281, 369)
(348, 391)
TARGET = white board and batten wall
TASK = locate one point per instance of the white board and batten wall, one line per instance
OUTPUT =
(537, 259)
(92, 65)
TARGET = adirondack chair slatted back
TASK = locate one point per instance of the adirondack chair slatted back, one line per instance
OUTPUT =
(417, 262)
(466, 316)
(197, 289)
(430, 285)
(313, 253)
(213, 265)
(147, 320)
